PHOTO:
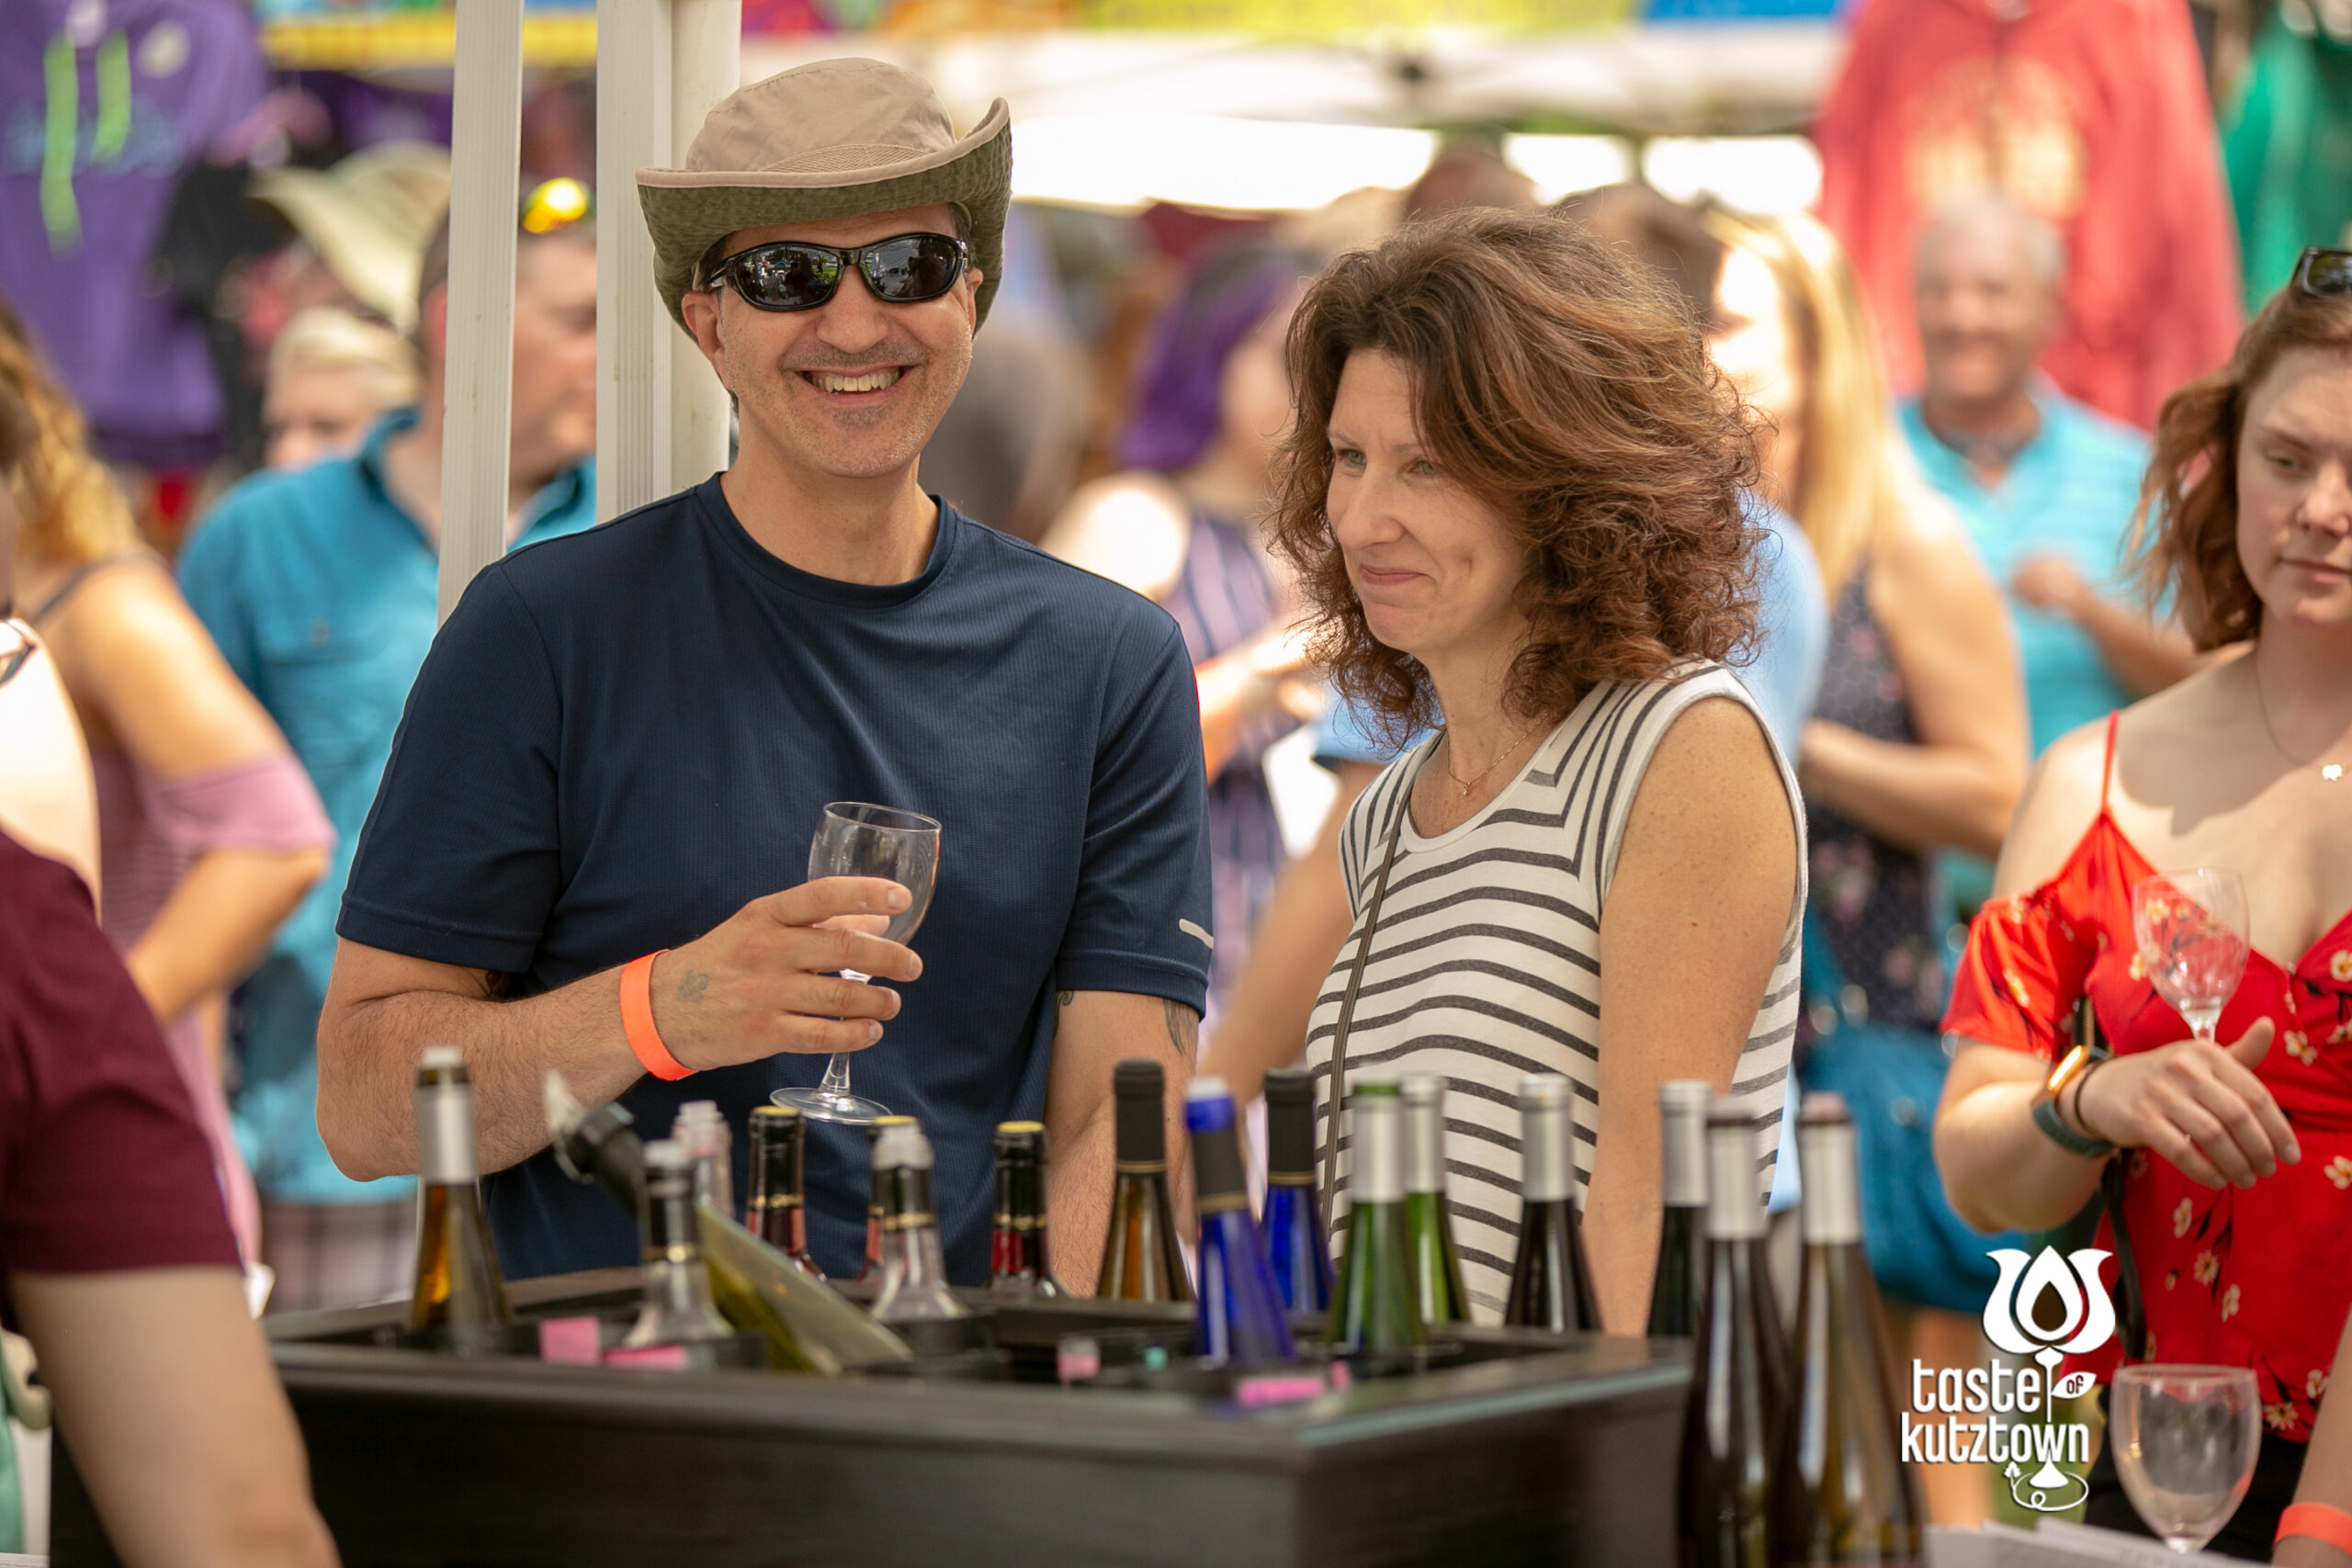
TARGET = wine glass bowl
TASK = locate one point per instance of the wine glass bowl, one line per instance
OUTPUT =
(2191, 928)
(2186, 1439)
(856, 839)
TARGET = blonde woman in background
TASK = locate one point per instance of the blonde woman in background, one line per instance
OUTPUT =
(331, 373)
(1917, 742)
(209, 832)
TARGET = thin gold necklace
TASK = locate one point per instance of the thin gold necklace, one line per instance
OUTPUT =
(1500, 757)
(2331, 772)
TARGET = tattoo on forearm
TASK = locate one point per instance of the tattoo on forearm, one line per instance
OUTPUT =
(691, 985)
(1183, 1027)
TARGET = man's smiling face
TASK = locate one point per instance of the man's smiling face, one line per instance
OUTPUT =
(852, 389)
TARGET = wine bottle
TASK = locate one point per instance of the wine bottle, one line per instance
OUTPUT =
(1240, 1321)
(1550, 1283)
(871, 1267)
(677, 1308)
(1428, 1222)
(1373, 1313)
(701, 1130)
(1839, 1491)
(915, 1268)
(1018, 1265)
(1736, 1379)
(1675, 1288)
(774, 1210)
(458, 1289)
(1295, 1243)
(1141, 1260)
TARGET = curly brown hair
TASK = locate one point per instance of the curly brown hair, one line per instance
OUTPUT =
(1567, 387)
(2185, 533)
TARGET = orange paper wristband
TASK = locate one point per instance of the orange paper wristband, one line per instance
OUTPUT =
(2329, 1525)
(637, 1019)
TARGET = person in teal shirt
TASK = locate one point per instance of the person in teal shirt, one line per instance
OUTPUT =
(320, 586)
(2044, 485)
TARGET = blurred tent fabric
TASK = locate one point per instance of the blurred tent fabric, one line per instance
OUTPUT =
(104, 106)
(2288, 145)
(2094, 114)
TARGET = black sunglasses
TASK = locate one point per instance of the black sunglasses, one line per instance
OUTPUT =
(792, 274)
(2322, 272)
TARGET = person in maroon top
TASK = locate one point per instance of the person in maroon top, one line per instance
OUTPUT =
(115, 1254)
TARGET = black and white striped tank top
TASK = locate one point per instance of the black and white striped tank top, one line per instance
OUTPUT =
(1487, 965)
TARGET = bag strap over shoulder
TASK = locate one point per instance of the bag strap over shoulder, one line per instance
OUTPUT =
(1355, 983)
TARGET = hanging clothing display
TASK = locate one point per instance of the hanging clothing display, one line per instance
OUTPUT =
(2093, 114)
(2288, 146)
(103, 103)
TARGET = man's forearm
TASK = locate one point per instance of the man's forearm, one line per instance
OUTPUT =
(1094, 1031)
(1077, 1198)
(369, 1047)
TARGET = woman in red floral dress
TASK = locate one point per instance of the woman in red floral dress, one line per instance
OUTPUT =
(2237, 1157)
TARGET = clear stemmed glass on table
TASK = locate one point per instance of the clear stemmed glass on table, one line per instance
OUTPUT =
(2192, 933)
(2184, 1441)
(859, 839)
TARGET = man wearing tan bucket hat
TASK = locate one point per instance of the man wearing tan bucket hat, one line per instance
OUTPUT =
(643, 723)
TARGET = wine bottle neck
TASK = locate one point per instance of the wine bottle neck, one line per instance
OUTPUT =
(1548, 1171)
(1424, 1147)
(1734, 1210)
(445, 1135)
(1833, 1199)
(1379, 1174)
(1682, 1138)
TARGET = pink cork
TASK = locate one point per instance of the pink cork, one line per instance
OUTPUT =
(572, 1341)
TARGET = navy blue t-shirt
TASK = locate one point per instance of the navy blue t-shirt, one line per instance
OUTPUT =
(624, 736)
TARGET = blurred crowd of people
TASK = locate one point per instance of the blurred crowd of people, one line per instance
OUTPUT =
(2005, 463)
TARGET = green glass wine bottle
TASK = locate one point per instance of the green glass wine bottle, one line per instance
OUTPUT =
(1676, 1289)
(1429, 1223)
(1374, 1316)
(1840, 1493)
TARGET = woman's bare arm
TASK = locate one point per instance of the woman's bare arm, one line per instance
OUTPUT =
(139, 662)
(2327, 1473)
(1696, 914)
(1949, 635)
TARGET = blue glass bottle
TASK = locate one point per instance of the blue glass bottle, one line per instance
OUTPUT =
(1295, 1243)
(1238, 1317)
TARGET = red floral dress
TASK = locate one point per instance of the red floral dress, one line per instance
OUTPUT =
(2259, 1277)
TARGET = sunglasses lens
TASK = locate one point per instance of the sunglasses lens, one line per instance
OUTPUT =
(913, 267)
(556, 204)
(2329, 272)
(788, 276)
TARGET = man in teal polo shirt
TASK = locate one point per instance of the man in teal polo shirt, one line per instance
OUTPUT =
(2045, 486)
(320, 586)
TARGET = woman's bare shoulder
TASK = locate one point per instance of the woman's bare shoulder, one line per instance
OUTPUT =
(1131, 528)
(2061, 801)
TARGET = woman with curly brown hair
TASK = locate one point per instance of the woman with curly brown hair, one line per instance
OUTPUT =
(1513, 498)
(2235, 1158)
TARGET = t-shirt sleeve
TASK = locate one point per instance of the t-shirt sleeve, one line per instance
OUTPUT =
(2022, 974)
(104, 1167)
(1141, 919)
(458, 860)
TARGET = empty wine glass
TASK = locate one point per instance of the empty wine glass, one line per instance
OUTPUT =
(2185, 1440)
(2192, 933)
(859, 839)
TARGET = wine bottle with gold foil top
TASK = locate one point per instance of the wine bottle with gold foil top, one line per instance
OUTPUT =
(1429, 1223)
(1141, 1258)
(458, 1289)
(1018, 1264)
(1840, 1494)
(1295, 1243)
(871, 1269)
(1678, 1284)
(774, 1210)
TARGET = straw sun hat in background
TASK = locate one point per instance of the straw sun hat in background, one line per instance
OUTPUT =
(369, 218)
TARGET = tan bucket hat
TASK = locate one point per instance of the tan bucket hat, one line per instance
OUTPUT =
(369, 218)
(833, 139)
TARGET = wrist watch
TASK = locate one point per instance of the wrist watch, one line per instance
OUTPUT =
(2072, 1065)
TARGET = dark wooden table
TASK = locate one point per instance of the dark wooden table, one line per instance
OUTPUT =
(1555, 1449)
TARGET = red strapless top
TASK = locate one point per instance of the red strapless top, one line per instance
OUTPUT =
(2259, 1277)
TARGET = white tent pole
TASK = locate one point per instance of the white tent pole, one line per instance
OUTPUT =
(635, 340)
(705, 64)
(486, 142)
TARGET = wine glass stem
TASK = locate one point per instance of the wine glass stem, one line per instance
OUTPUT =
(836, 1083)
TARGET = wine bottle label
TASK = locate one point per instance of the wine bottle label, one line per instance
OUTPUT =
(1379, 1174)
(1734, 1211)
(1682, 1138)
(445, 1135)
(1833, 1199)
